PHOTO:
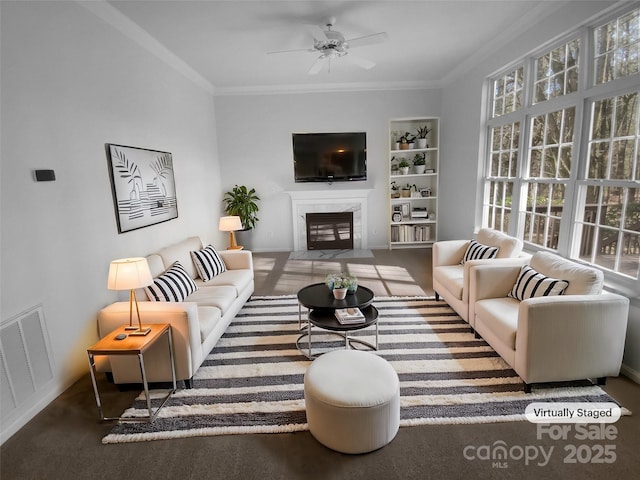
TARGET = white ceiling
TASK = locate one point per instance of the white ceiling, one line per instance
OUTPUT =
(430, 42)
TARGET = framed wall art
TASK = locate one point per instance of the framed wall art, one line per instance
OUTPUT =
(143, 185)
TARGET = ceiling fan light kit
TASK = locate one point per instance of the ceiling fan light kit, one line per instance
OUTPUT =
(332, 44)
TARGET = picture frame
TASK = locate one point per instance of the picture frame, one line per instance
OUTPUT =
(143, 186)
(425, 192)
(397, 208)
(406, 209)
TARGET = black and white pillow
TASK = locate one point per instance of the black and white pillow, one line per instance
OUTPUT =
(532, 284)
(208, 262)
(478, 251)
(174, 285)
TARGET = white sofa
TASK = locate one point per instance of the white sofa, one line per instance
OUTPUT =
(577, 335)
(451, 278)
(197, 323)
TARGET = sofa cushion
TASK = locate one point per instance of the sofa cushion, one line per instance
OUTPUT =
(500, 315)
(181, 252)
(582, 280)
(530, 284)
(239, 279)
(479, 251)
(156, 265)
(208, 262)
(208, 318)
(452, 278)
(172, 286)
(221, 297)
(509, 246)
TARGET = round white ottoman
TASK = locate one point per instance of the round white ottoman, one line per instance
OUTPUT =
(352, 400)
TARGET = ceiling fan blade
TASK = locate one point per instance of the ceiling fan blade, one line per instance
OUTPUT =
(292, 51)
(316, 32)
(361, 62)
(317, 66)
(368, 40)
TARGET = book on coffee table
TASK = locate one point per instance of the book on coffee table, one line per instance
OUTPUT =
(349, 315)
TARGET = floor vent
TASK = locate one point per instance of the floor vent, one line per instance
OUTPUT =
(26, 362)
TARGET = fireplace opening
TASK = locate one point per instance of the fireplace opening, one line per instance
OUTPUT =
(330, 231)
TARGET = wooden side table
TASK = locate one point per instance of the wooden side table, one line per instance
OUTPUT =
(132, 345)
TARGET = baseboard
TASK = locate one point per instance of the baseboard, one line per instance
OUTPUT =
(630, 373)
(15, 422)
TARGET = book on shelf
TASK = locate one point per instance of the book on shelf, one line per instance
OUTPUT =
(349, 315)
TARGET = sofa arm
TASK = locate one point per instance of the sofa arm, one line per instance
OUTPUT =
(448, 252)
(237, 259)
(185, 329)
(571, 336)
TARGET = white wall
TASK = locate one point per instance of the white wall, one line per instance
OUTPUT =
(254, 141)
(70, 84)
(461, 142)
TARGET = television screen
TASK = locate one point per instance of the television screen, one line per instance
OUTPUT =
(329, 157)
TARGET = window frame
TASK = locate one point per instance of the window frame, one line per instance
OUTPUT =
(587, 93)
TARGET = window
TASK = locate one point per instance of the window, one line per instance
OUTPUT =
(557, 72)
(616, 48)
(568, 181)
(550, 146)
(503, 169)
(507, 95)
(609, 226)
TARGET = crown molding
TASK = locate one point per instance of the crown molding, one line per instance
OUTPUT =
(122, 23)
(325, 88)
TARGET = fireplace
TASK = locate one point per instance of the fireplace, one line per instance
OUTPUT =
(329, 231)
(328, 201)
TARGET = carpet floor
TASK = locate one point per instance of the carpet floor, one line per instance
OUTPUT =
(252, 382)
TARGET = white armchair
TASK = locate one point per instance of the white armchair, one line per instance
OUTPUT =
(451, 277)
(574, 336)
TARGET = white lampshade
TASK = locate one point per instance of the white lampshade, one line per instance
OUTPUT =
(230, 224)
(129, 274)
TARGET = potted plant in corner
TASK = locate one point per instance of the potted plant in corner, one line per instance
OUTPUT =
(419, 163)
(241, 201)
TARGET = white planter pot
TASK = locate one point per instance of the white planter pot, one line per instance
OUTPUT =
(404, 170)
(419, 168)
(421, 143)
(339, 293)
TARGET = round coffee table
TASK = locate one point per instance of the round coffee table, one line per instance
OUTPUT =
(321, 305)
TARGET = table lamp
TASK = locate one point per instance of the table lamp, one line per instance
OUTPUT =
(129, 274)
(231, 224)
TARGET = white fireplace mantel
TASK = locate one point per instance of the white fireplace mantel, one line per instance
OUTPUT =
(318, 201)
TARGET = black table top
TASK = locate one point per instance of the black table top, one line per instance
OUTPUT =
(318, 296)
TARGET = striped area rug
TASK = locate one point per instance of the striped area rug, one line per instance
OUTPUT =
(252, 382)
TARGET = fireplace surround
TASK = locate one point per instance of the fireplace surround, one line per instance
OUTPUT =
(328, 201)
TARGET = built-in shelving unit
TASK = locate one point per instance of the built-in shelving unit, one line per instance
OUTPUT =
(413, 192)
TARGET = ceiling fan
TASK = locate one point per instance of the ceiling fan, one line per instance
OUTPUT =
(331, 44)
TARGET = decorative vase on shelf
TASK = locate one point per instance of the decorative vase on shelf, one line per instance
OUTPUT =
(404, 146)
(419, 169)
(404, 170)
(339, 293)
(421, 143)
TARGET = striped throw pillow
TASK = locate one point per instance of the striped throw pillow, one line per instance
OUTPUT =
(532, 284)
(174, 285)
(478, 251)
(208, 263)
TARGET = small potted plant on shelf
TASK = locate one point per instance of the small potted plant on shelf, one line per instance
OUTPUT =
(407, 141)
(406, 190)
(419, 163)
(403, 166)
(421, 141)
(395, 190)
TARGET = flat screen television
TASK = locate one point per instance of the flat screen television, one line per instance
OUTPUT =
(330, 157)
